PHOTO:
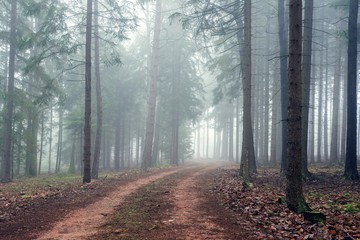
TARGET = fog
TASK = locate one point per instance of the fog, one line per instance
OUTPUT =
(162, 84)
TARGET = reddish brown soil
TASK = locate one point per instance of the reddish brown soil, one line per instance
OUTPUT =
(188, 211)
(32, 218)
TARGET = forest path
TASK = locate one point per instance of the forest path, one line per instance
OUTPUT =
(83, 222)
(188, 218)
(180, 206)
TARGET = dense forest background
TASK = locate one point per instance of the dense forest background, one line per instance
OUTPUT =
(166, 81)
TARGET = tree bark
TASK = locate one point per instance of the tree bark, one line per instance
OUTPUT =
(334, 155)
(267, 104)
(231, 133)
(237, 141)
(87, 115)
(50, 137)
(274, 124)
(99, 111)
(283, 41)
(351, 171)
(150, 121)
(42, 133)
(9, 105)
(294, 191)
(306, 75)
(248, 152)
(59, 148)
(117, 146)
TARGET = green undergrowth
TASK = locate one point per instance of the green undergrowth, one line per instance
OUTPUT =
(40, 185)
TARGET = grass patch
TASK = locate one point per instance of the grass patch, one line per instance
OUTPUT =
(353, 207)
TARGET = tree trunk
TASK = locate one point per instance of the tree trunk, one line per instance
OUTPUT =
(138, 138)
(42, 131)
(237, 141)
(87, 115)
(150, 121)
(225, 138)
(284, 82)
(9, 105)
(274, 124)
(320, 110)
(306, 74)
(248, 152)
(312, 126)
(176, 76)
(31, 143)
(117, 147)
(343, 120)
(72, 157)
(207, 134)
(351, 171)
(50, 137)
(334, 155)
(267, 104)
(326, 140)
(122, 145)
(59, 148)
(231, 133)
(99, 113)
(294, 191)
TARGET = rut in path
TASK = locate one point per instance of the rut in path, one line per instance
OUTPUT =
(186, 221)
(84, 222)
(192, 222)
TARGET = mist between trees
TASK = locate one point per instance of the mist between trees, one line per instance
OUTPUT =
(99, 85)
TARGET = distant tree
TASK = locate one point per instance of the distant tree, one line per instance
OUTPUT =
(306, 74)
(294, 192)
(351, 171)
(283, 41)
(334, 154)
(9, 105)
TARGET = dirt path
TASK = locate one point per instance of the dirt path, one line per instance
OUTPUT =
(180, 206)
(187, 219)
(84, 222)
(167, 204)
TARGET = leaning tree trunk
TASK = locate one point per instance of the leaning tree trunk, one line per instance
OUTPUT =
(150, 121)
(9, 105)
(351, 171)
(294, 191)
(99, 113)
(87, 116)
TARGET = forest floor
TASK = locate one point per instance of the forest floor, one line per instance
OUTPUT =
(195, 201)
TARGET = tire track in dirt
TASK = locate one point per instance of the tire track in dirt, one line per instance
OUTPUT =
(188, 221)
(84, 222)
